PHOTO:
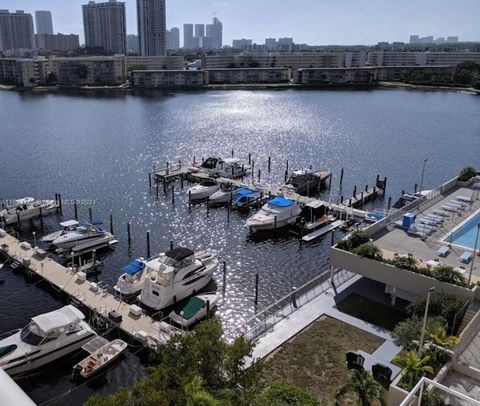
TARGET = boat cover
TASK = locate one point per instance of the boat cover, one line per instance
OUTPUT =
(243, 192)
(70, 223)
(179, 253)
(193, 306)
(49, 322)
(133, 267)
(281, 202)
(7, 350)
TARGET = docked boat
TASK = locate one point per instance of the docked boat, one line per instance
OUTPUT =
(245, 198)
(26, 209)
(99, 358)
(203, 190)
(277, 212)
(306, 181)
(46, 338)
(176, 275)
(223, 195)
(67, 226)
(224, 167)
(132, 279)
(84, 237)
(196, 309)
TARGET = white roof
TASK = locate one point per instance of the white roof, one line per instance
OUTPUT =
(49, 322)
(231, 160)
(70, 223)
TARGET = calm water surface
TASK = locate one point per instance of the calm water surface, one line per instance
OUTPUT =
(101, 148)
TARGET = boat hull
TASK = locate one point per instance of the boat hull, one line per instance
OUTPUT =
(264, 226)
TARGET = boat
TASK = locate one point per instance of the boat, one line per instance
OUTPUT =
(46, 338)
(245, 198)
(67, 226)
(224, 167)
(224, 195)
(276, 213)
(27, 208)
(84, 237)
(131, 281)
(305, 181)
(100, 357)
(203, 190)
(176, 275)
(194, 310)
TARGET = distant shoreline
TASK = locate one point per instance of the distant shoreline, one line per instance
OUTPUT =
(404, 85)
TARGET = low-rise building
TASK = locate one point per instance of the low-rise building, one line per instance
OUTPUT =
(154, 62)
(168, 78)
(248, 75)
(398, 58)
(330, 76)
(22, 72)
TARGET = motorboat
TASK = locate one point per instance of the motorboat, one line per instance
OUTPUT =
(305, 181)
(27, 208)
(46, 338)
(176, 275)
(67, 226)
(405, 199)
(245, 198)
(99, 358)
(224, 167)
(83, 237)
(194, 310)
(132, 279)
(276, 213)
(203, 190)
(224, 195)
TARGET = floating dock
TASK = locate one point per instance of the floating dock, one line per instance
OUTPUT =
(322, 231)
(91, 295)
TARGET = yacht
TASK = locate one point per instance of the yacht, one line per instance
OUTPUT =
(304, 181)
(176, 275)
(84, 237)
(132, 279)
(203, 190)
(244, 198)
(224, 167)
(46, 338)
(67, 226)
(224, 195)
(27, 208)
(277, 212)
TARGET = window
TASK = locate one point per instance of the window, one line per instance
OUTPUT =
(155, 293)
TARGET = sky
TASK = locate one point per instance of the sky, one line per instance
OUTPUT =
(315, 22)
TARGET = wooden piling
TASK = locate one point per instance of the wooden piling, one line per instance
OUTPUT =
(333, 238)
(148, 244)
(75, 209)
(269, 164)
(171, 245)
(389, 202)
(224, 284)
(256, 290)
(259, 174)
(90, 214)
(249, 158)
(173, 195)
(341, 177)
(60, 202)
(129, 233)
(41, 218)
(286, 176)
(253, 168)
(354, 191)
(111, 224)
(233, 153)
(149, 179)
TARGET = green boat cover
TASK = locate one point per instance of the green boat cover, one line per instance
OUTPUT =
(193, 306)
(7, 350)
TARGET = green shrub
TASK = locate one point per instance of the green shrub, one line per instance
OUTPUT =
(357, 238)
(406, 332)
(369, 250)
(408, 263)
(441, 304)
(282, 394)
(467, 173)
(446, 273)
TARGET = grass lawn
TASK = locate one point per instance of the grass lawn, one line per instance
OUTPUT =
(314, 359)
(372, 312)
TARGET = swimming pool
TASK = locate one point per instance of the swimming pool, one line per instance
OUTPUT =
(466, 234)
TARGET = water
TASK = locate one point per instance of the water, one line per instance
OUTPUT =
(99, 148)
(466, 235)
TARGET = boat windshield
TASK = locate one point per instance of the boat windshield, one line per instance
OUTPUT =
(29, 337)
(175, 263)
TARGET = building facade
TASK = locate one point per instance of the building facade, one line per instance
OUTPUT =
(43, 22)
(22, 72)
(57, 42)
(248, 75)
(169, 79)
(188, 36)
(215, 32)
(105, 26)
(242, 43)
(161, 62)
(132, 44)
(16, 30)
(173, 39)
(398, 58)
(152, 27)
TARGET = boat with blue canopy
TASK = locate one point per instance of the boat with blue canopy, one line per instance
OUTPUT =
(132, 279)
(276, 213)
(245, 198)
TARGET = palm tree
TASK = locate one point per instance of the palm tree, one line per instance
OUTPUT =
(364, 386)
(196, 395)
(446, 273)
(440, 338)
(414, 366)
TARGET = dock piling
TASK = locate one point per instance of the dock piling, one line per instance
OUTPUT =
(333, 238)
(181, 183)
(90, 214)
(253, 168)
(384, 186)
(194, 159)
(269, 164)
(341, 177)
(156, 193)
(171, 245)
(111, 224)
(259, 174)
(354, 191)
(148, 244)
(41, 219)
(256, 291)
(60, 203)
(415, 188)
(75, 209)
(233, 153)
(224, 284)
(149, 179)
(286, 176)
(129, 233)
(249, 158)
(389, 202)
(173, 195)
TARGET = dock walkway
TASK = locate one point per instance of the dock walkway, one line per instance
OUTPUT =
(143, 328)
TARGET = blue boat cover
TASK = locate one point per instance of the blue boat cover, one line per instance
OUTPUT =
(133, 267)
(243, 192)
(281, 202)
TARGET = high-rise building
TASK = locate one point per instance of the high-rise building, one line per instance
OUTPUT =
(132, 44)
(452, 40)
(57, 42)
(200, 30)
(271, 43)
(105, 26)
(188, 36)
(151, 22)
(242, 43)
(215, 31)
(16, 30)
(43, 22)
(173, 38)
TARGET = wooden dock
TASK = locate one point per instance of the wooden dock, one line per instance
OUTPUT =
(93, 296)
(359, 199)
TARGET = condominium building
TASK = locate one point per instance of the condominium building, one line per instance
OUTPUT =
(242, 43)
(215, 31)
(43, 22)
(168, 79)
(23, 72)
(105, 26)
(161, 62)
(188, 36)
(199, 30)
(132, 44)
(393, 58)
(173, 38)
(16, 30)
(151, 22)
(57, 42)
(248, 75)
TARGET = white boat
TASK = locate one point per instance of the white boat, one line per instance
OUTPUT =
(223, 195)
(196, 309)
(84, 237)
(224, 167)
(176, 275)
(27, 208)
(131, 281)
(100, 358)
(67, 226)
(203, 190)
(46, 338)
(277, 212)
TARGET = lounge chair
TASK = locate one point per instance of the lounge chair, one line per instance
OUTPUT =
(464, 199)
(466, 257)
(382, 374)
(428, 222)
(450, 208)
(355, 361)
(435, 217)
(456, 203)
(441, 213)
(443, 251)
(416, 232)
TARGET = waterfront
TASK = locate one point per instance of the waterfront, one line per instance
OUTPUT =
(100, 149)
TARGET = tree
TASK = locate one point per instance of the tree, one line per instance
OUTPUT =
(357, 238)
(441, 304)
(446, 273)
(82, 71)
(406, 334)
(197, 396)
(369, 250)
(439, 337)
(414, 367)
(364, 386)
(51, 79)
(467, 173)
(282, 394)
(408, 263)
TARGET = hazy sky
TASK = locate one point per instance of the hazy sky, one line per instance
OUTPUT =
(309, 21)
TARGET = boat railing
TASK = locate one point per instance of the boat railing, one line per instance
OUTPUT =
(9, 333)
(288, 304)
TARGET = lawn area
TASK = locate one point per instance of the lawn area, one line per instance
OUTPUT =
(372, 312)
(314, 359)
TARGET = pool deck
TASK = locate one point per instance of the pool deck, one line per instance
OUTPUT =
(396, 241)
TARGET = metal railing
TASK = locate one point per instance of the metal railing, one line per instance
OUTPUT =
(291, 302)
